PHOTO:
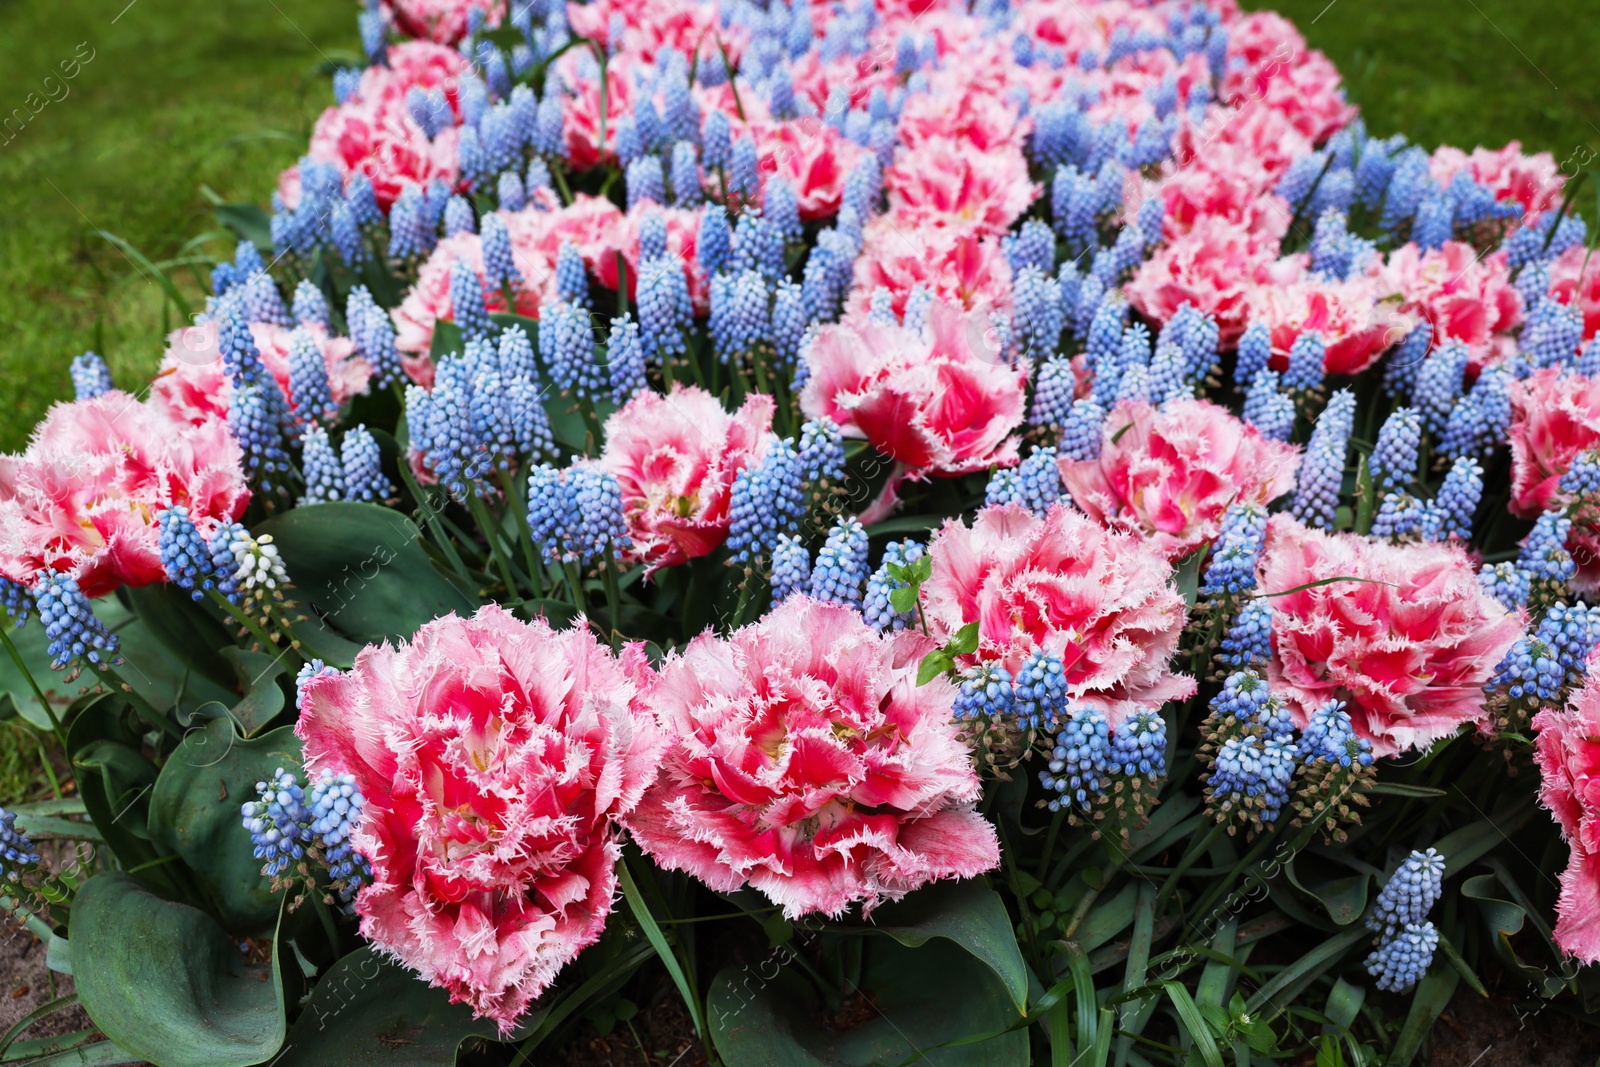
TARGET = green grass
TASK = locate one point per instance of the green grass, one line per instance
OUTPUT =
(174, 96)
(1466, 72)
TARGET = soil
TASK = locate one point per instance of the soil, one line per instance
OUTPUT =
(26, 984)
(1500, 1032)
(665, 1031)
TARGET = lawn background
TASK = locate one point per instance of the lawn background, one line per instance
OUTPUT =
(221, 94)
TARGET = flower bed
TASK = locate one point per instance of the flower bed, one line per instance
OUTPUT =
(907, 530)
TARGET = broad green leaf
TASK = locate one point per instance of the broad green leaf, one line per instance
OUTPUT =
(1194, 1024)
(968, 913)
(361, 571)
(1108, 918)
(367, 1010)
(115, 781)
(166, 983)
(965, 642)
(194, 811)
(1343, 897)
(765, 1014)
(250, 222)
(263, 695)
(16, 694)
(1430, 998)
(1287, 983)
(181, 634)
(934, 664)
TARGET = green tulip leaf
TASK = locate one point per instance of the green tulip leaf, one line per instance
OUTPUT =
(194, 811)
(915, 1000)
(164, 981)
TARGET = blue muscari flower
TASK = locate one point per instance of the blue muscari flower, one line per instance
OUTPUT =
(1394, 458)
(863, 186)
(1298, 180)
(254, 418)
(714, 241)
(224, 565)
(1330, 737)
(1305, 362)
(625, 364)
(1255, 351)
(1408, 895)
(1321, 478)
(1404, 364)
(467, 307)
(69, 622)
(262, 301)
(90, 376)
(279, 822)
(1434, 222)
(1038, 481)
(742, 163)
(1139, 745)
(1535, 242)
(1400, 961)
(459, 216)
(1084, 431)
(509, 193)
(782, 208)
(185, 556)
(346, 80)
(1033, 245)
(1373, 171)
(840, 573)
(16, 848)
(1329, 254)
(572, 277)
(876, 608)
(373, 334)
(1167, 376)
(16, 601)
(767, 499)
(1105, 334)
(1268, 408)
(1505, 582)
(739, 314)
(880, 307)
(1588, 363)
(827, 276)
(1400, 515)
(362, 200)
(310, 307)
(566, 345)
(1532, 283)
(1041, 690)
(757, 245)
(918, 303)
(1053, 393)
(1125, 253)
(363, 467)
(470, 154)
(646, 182)
(1075, 208)
(716, 143)
(791, 568)
(685, 172)
(409, 234)
(549, 139)
(1553, 333)
(1439, 384)
(821, 451)
(1252, 775)
(603, 529)
(442, 428)
(324, 474)
(1479, 422)
(1409, 184)
(1037, 301)
(1544, 556)
(335, 808)
(788, 323)
(1248, 642)
(499, 262)
(665, 311)
(1080, 759)
(985, 692)
(310, 393)
(1231, 568)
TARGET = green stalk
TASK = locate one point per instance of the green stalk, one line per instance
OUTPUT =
(486, 526)
(530, 554)
(613, 598)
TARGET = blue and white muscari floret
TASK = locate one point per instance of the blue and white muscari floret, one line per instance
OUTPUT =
(1408, 895)
(1080, 759)
(321, 468)
(1316, 499)
(1252, 774)
(1544, 556)
(335, 806)
(876, 608)
(985, 691)
(1453, 507)
(16, 601)
(363, 467)
(1041, 690)
(1139, 745)
(467, 308)
(1248, 642)
(1400, 961)
(310, 392)
(90, 376)
(1268, 408)
(1330, 737)
(625, 364)
(840, 571)
(499, 261)
(1394, 458)
(17, 850)
(279, 822)
(69, 622)
(185, 555)
(1231, 568)
(791, 568)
